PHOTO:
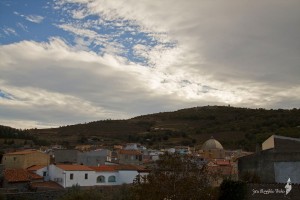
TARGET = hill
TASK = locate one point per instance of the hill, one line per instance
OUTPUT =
(233, 127)
(14, 138)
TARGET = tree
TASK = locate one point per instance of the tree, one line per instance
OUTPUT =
(233, 190)
(175, 177)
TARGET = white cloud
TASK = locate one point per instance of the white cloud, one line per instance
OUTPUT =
(34, 18)
(9, 31)
(53, 83)
(22, 26)
(202, 52)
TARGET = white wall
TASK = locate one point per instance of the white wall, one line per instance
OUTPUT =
(40, 171)
(107, 175)
(79, 178)
(55, 172)
(122, 176)
(127, 176)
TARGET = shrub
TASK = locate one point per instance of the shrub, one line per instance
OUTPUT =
(232, 190)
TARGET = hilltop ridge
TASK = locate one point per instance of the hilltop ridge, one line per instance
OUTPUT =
(233, 127)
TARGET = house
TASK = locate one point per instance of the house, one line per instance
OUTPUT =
(133, 157)
(278, 161)
(151, 155)
(25, 159)
(94, 158)
(66, 156)
(117, 174)
(84, 147)
(20, 179)
(68, 175)
(183, 150)
(134, 146)
(41, 170)
(106, 175)
(88, 176)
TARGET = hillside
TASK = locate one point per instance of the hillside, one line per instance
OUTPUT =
(14, 138)
(233, 127)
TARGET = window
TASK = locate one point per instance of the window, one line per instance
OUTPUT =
(85, 176)
(100, 179)
(44, 174)
(71, 176)
(112, 179)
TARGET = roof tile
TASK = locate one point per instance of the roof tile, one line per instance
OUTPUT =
(74, 167)
(20, 175)
(129, 152)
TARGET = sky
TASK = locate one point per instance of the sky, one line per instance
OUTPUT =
(65, 62)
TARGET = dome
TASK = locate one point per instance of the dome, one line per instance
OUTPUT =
(212, 144)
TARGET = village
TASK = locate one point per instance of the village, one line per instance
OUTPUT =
(58, 168)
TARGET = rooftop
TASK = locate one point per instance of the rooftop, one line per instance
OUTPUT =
(130, 152)
(28, 151)
(212, 144)
(74, 167)
(111, 168)
(35, 167)
(20, 175)
(46, 184)
(104, 168)
(286, 138)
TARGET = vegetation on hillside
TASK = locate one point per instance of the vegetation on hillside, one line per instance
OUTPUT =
(234, 127)
(11, 137)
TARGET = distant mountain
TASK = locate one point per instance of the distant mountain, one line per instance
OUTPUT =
(233, 127)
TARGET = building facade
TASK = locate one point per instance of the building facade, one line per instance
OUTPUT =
(133, 157)
(67, 175)
(276, 163)
(212, 149)
(25, 159)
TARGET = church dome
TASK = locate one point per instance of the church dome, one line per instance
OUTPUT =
(212, 144)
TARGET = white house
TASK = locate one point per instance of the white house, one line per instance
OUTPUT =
(117, 174)
(41, 170)
(68, 175)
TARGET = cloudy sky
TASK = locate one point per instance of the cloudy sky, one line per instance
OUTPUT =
(72, 61)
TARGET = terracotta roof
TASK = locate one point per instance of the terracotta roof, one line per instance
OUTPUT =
(223, 162)
(20, 175)
(29, 151)
(129, 152)
(111, 168)
(46, 184)
(35, 167)
(74, 167)
(104, 168)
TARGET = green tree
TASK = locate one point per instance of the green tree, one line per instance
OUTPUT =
(175, 177)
